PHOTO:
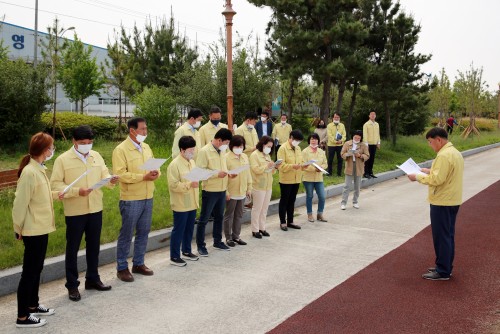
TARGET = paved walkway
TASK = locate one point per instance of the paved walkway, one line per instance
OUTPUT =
(254, 288)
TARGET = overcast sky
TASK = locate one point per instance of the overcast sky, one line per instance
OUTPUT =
(456, 33)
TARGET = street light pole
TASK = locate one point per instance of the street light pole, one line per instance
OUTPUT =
(499, 105)
(35, 55)
(229, 13)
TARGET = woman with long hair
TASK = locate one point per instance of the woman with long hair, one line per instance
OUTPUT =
(33, 218)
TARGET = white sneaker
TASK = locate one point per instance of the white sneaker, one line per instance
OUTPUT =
(355, 205)
(42, 310)
(342, 207)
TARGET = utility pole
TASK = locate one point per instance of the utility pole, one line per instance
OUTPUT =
(499, 105)
(229, 13)
(35, 55)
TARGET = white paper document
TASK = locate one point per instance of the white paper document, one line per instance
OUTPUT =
(74, 182)
(310, 162)
(319, 168)
(101, 183)
(239, 170)
(411, 167)
(153, 164)
(199, 174)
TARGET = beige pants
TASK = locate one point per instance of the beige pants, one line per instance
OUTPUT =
(260, 200)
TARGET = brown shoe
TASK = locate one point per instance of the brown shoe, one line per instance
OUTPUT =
(143, 270)
(125, 275)
(321, 218)
(310, 218)
(74, 294)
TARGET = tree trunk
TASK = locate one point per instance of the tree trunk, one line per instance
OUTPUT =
(81, 106)
(326, 99)
(341, 95)
(289, 104)
(395, 123)
(387, 119)
(351, 108)
(119, 113)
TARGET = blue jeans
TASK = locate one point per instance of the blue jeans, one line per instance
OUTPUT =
(320, 191)
(182, 233)
(211, 202)
(136, 215)
(443, 236)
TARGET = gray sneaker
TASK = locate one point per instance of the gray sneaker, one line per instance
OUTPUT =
(435, 276)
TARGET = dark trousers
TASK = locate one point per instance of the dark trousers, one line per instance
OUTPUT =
(276, 150)
(211, 202)
(287, 202)
(182, 233)
(443, 236)
(91, 225)
(332, 151)
(35, 248)
(369, 163)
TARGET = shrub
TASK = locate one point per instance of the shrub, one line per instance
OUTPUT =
(482, 124)
(104, 128)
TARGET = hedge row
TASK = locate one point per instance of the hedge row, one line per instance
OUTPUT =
(67, 121)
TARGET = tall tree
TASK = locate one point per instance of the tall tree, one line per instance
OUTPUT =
(441, 96)
(79, 74)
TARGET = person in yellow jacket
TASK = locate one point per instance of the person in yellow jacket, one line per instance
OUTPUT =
(281, 133)
(247, 131)
(336, 135)
(355, 153)
(189, 128)
(371, 136)
(33, 220)
(136, 198)
(207, 131)
(445, 181)
(238, 189)
(82, 207)
(290, 176)
(184, 201)
(313, 177)
(262, 169)
(213, 195)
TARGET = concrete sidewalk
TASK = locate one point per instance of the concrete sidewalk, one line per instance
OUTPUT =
(253, 288)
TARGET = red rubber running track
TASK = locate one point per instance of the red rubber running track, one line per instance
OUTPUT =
(389, 296)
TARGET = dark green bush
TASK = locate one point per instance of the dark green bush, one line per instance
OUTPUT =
(104, 128)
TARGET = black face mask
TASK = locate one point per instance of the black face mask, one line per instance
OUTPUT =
(321, 126)
(215, 121)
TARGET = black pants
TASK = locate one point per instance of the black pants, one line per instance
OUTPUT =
(443, 236)
(369, 163)
(91, 225)
(35, 248)
(276, 150)
(287, 202)
(332, 151)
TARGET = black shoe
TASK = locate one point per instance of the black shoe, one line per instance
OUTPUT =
(367, 176)
(283, 227)
(178, 262)
(221, 246)
(230, 243)
(74, 294)
(257, 235)
(435, 276)
(373, 176)
(190, 256)
(292, 225)
(30, 321)
(433, 270)
(264, 233)
(41, 310)
(99, 286)
(240, 242)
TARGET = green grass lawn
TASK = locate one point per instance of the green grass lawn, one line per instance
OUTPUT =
(11, 250)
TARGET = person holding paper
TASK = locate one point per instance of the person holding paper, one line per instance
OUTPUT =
(371, 135)
(247, 131)
(213, 195)
(290, 177)
(189, 128)
(184, 201)
(355, 153)
(207, 131)
(136, 198)
(262, 169)
(313, 177)
(238, 188)
(33, 219)
(445, 181)
(336, 137)
(82, 207)
(281, 133)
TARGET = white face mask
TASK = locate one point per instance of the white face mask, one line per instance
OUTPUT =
(283, 122)
(223, 148)
(266, 150)
(295, 143)
(51, 155)
(355, 141)
(140, 138)
(335, 122)
(197, 125)
(314, 145)
(188, 155)
(237, 150)
(84, 149)
(249, 126)
(263, 119)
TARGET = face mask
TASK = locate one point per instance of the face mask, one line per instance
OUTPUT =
(197, 125)
(295, 143)
(223, 148)
(84, 149)
(355, 141)
(314, 146)
(283, 122)
(335, 122)
(140, 138)
(214, 122)
(263, 119)
(249, 126)
(188, 155)
(237, 150)
(266, 150)
(51, 155)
